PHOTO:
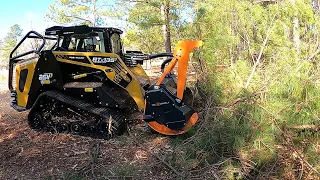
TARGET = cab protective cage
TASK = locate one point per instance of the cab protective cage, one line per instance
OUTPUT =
(14, 59)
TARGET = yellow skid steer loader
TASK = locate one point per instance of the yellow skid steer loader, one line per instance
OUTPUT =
(86, 85)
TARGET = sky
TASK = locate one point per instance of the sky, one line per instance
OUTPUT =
(29, 14)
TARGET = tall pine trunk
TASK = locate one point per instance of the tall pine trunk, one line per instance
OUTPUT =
(295, 29)
(165, 8)
(94, 13)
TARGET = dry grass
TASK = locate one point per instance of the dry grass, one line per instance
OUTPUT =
(28, 154)
(219, 147)
(231, 143)
(3, 79)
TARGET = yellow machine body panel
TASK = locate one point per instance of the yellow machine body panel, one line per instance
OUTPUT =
(138, 70)
(140, 74)
(24, 69)
(133, 88)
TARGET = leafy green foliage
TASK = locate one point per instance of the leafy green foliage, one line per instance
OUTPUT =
(9, 42)
(146, 15)
(258, 124)
(146, 40)
(80, 12)
(147, 21)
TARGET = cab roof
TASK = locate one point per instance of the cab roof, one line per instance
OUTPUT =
(82, 29)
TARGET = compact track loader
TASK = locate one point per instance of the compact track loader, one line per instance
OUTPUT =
(86, 85)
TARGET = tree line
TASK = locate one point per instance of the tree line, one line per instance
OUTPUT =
(150, 25)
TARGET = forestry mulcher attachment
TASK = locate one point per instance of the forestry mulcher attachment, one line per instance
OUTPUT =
(85, 84)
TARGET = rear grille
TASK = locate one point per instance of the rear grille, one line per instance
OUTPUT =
(122, 76)
(82, 85)
(132, 58)
(117, 67)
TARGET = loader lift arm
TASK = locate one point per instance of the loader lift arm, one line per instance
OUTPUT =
(181, 56)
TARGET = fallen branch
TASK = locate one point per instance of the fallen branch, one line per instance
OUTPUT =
(206, 116)
(260, 54)
(317, 50)
(305, 161)
(267, 1)
(156, 156)
(292, 148)
(305, 127)
(210, 166)
(94, 152)
(239, 100)
(314, 54)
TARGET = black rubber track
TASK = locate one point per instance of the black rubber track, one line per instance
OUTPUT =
(94, 122)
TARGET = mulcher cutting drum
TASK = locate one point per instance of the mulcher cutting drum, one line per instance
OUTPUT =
(86, 85)
(166, 109)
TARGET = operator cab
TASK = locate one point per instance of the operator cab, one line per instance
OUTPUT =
(87, 39)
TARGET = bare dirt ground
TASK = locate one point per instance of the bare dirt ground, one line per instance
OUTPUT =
(28, 154)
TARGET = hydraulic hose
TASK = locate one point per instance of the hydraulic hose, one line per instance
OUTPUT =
(152, 56)
(163, 65)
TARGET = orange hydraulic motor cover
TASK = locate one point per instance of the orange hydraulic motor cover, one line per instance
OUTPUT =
(180, 56)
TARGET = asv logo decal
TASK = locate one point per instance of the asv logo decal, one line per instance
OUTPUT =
(101, 60)
(45, 78)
